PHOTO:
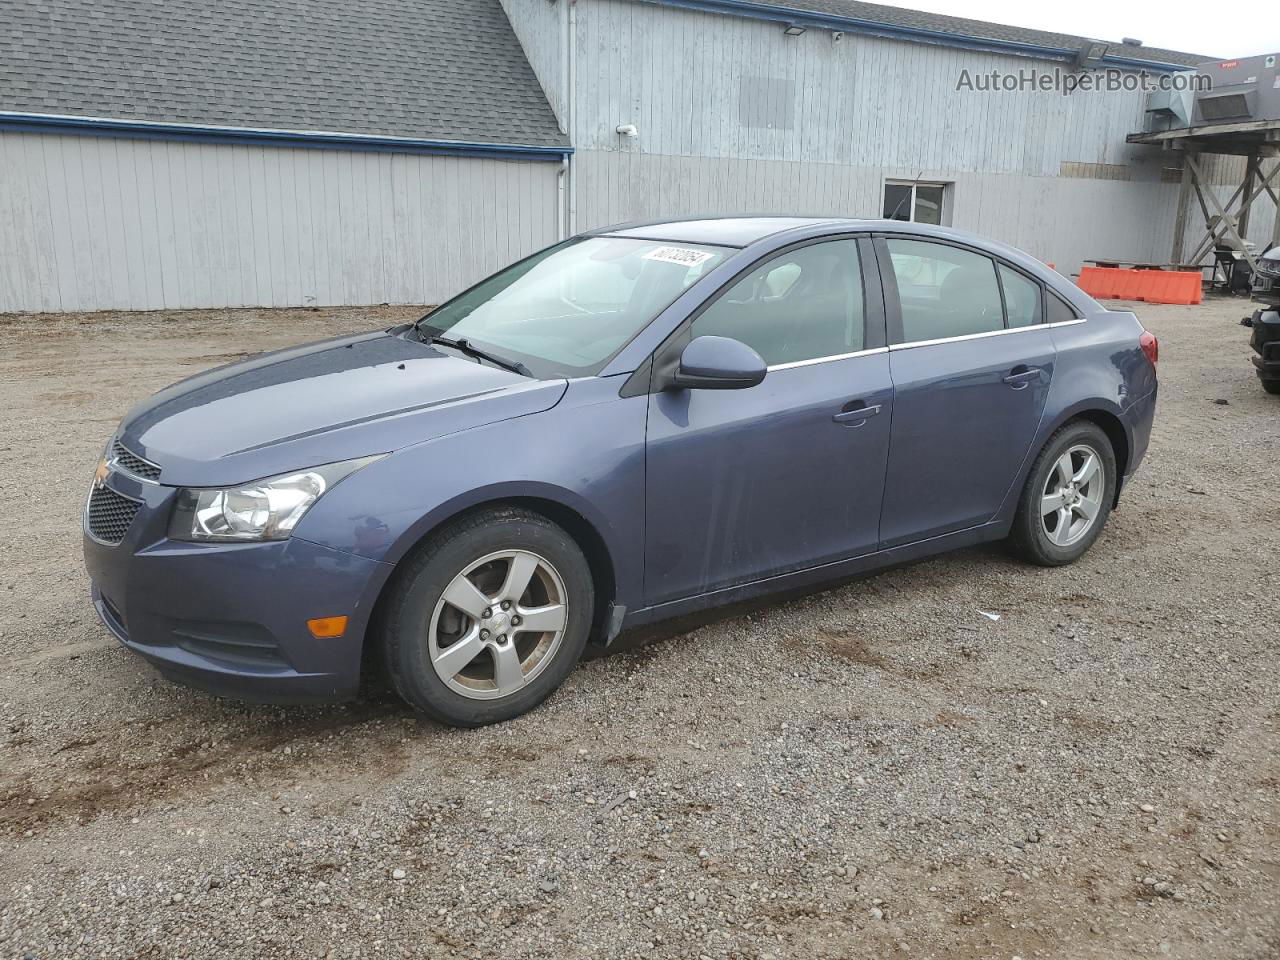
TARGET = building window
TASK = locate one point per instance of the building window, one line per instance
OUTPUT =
(915, 202)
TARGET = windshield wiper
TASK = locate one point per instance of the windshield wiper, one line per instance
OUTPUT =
(515, 366)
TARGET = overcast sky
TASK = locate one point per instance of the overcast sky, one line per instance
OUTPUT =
(1236, 28)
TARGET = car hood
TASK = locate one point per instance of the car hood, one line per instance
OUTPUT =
(320, 403)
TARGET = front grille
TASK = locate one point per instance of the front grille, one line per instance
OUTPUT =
(133, 463)
(110, 514)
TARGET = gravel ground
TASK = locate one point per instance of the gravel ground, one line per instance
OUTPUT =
(874, 771)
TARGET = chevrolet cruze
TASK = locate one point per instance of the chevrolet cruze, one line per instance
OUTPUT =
(639, 422)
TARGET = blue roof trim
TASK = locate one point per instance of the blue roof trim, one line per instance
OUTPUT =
(893, 31)
(1132, 64)
(197, 133)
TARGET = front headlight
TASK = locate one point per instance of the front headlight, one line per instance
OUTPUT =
(263, 510)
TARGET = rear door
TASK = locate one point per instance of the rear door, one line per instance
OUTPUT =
(971, 362)
(746, 484)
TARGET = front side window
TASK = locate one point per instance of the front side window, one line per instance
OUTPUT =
(1021, 298)
(565, 311)
(944, 291)
(804, 304)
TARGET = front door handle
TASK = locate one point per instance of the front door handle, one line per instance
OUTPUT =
(1021, 375)
(855, 413)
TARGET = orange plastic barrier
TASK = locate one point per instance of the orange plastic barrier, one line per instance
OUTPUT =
(1149, 286)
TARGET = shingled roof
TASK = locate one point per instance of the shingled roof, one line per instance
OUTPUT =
(962, 27)
(429, 69)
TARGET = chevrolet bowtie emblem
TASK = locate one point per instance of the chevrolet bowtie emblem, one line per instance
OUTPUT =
(100, 475)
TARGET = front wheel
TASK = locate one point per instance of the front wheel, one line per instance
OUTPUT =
(1271, 386)
(1067, 497)
(489, 617)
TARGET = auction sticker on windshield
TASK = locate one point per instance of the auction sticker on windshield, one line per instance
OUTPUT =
(681, 255)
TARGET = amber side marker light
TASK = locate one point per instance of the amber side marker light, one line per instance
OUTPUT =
(323, 628)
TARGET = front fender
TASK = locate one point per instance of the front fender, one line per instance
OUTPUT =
(586, 455)
(505, 491)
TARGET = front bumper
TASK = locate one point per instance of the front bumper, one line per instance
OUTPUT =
(231, 618)
(1266, 344)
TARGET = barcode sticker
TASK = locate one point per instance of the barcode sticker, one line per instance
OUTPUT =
(681, 255)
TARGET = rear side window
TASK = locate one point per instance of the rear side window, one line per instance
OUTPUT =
(944, 291)
(1060, 310)
(804, 304)
(1021, 298)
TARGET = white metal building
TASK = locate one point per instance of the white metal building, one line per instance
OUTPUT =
(251, 153)
(247, 153)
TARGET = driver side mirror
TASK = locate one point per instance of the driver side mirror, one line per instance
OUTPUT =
(718, 363)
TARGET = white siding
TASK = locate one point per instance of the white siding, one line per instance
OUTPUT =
(95, 223)
(864, 101)
(851, 114)
(539, 25)
(629, 186)
(89, 223)
(1053, 218)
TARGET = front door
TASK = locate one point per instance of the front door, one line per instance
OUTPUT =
(747, 484)
(971, 363)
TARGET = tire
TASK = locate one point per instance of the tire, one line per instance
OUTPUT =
(1271, 386)
(1052, 539)
(426, 617)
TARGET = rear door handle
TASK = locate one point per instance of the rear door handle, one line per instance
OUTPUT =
(855, 413)
(1021, 375)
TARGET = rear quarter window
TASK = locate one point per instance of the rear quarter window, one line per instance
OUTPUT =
(1021, 298)
(1059, 309)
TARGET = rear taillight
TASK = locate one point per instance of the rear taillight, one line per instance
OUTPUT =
(1150, 346)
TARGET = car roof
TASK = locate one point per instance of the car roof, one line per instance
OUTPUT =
(731, 231)
(745, 230)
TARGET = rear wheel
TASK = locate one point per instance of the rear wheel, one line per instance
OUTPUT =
(1271, 386)
(1067, 497)
(489, 618)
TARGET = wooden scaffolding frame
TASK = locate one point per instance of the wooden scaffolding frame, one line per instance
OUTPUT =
(1256, 141)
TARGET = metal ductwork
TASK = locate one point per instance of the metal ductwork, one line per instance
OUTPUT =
(1241, 90)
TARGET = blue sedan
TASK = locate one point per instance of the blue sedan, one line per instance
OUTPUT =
(639, 422)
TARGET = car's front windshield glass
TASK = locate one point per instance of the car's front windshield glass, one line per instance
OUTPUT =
(565, 311)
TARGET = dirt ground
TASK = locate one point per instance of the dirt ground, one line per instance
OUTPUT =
(874, 771)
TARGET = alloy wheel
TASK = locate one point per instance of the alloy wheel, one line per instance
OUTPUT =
(1073, 495)
(498, 624)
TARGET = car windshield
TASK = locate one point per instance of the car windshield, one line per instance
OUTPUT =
(565, 311)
